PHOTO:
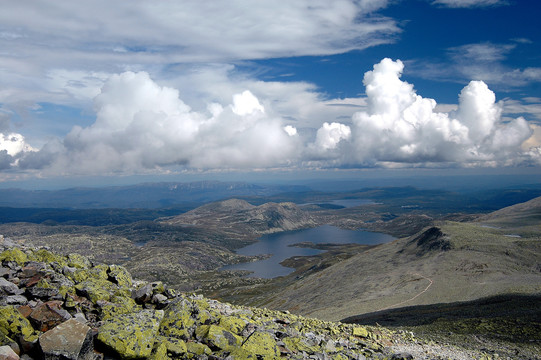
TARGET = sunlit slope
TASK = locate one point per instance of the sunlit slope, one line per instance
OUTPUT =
(448, 262)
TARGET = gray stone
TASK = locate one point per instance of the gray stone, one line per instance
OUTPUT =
(143, 294)
(70, 340)
(16, 300)
(5, 271)
(42, 293)
(7, 353)
(9, 288)
(80, 317)
(159, 298)
(402, 356)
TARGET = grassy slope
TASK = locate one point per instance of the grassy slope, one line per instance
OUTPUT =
(480, 261)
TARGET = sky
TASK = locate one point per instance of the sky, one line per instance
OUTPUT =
(113, 89)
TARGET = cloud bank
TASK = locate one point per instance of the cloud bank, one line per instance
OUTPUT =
(142, 126)
(63, 52)
(403, 127)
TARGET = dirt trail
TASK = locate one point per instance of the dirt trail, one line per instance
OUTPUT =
(430, 282)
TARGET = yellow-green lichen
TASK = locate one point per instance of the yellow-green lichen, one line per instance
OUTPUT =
(360, 331)
(13, 324)
(159, 353)
(177, 319)
(96, 289)
(14, 255)
(120, 276)
(218, 337)
(131, 335)
(78, 261)
(174, 346)
(118, 305)
(297, 344)
(261, 343)
(241, 354)
(233, 324)
(46, 256)
(197, 349)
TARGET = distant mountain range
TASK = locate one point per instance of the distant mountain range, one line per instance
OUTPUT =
(147, 195)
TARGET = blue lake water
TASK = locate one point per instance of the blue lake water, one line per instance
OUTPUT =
(347, 203)
(278, 245)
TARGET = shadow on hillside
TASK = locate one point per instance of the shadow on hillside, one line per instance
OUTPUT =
(496, 314)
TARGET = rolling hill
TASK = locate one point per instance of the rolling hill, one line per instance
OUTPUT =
(447, 262)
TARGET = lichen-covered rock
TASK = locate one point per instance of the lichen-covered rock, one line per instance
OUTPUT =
(197, 349)
(43, 290)
(132, 335)
(96, 272)
(299, 344)
(15, 255)
(119, 275)
(159, 353)
(233, 324)
(241, 354)
(14, 325)
(177, 321)
(95, 289)
(261, 343)
(47, 257)
(78, 261)
(174, 346)
(360, 331)
(217, 337)
(116, 306)
(70, 340)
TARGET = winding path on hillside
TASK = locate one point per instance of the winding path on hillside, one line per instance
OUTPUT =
(430, 282)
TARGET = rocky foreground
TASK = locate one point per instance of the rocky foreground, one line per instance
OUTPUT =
(64, 307)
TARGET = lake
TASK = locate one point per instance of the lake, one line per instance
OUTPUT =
(278, 245)
(346, 203)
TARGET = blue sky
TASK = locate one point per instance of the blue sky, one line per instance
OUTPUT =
(177, 88)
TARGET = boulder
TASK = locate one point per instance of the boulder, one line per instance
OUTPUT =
(216, 337)
(132, 335)
(95, 289)
(120, 276)
(15, 300)
(261, 343)
(6, 341)
(14, 325)
(78, 261)
(178, 320)
(4, 272)
(14, 255)
(70, 340)
(48, 315)
(7, 353)
(9, 288)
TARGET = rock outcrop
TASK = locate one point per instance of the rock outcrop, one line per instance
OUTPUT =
(65, 307)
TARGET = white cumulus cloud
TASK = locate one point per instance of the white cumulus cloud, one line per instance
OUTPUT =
(401, 126)
(329, 135)
(141, 126)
